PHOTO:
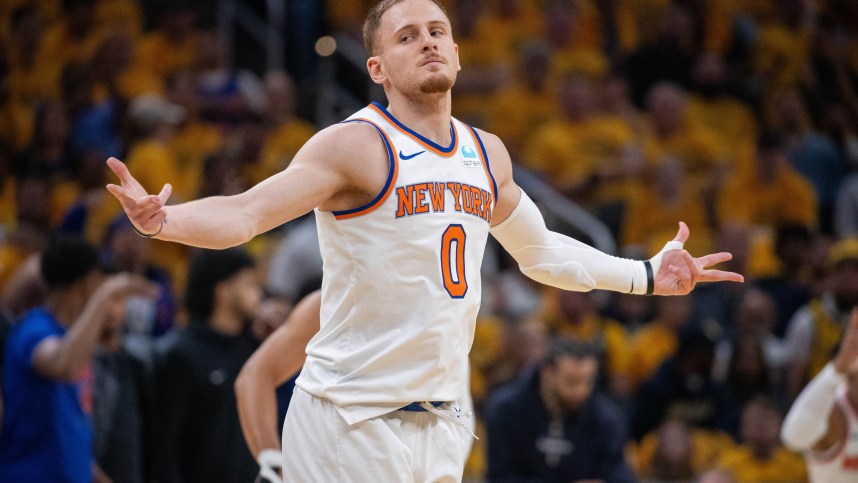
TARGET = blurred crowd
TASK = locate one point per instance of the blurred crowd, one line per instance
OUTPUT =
(739, 117)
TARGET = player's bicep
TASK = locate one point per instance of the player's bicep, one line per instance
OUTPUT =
(508, 194)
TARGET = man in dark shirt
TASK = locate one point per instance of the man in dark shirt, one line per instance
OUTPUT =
(552, 426)
(201, 436)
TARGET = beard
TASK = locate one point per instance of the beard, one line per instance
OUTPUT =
(436, 84)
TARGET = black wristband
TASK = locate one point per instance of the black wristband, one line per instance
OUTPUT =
(145, 235)
(650, 280)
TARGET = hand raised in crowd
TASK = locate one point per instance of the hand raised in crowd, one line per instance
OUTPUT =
(679, 272)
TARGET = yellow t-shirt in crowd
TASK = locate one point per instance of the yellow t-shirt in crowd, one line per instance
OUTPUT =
(783, 467)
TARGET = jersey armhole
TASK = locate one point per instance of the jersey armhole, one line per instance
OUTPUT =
(485, 157)
(388, 184)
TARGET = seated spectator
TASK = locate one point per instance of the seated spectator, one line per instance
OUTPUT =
(677, 452)
(810, 152)
(659, 338)
(790, 286)
(770, 194)
(760, 457)
(652, 210)
(683, 387)
(576, 317)
(551, 424)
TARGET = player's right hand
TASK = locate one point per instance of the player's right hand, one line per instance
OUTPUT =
(147, 212)
(846, 360)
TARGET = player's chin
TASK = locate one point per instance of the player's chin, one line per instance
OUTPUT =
(436, 84)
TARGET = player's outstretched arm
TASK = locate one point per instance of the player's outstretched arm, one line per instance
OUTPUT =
(277, 359)
(814, 422)
(322, 168)
(560, 261)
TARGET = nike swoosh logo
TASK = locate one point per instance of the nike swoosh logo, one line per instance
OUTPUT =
(404, 157)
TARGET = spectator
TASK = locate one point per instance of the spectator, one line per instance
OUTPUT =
(659, 338)
(683, 387)
(527, 102)
(790, 286)
(673, 457)
(551, 425)
(672, 133)
(676, 452)
(47, 384)
(200, 437)
(811, 153)
(577, 318)
(123, 404)
(124, 250)
(285, 132)
(760, 458)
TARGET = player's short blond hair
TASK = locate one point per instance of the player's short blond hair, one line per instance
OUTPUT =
(373, 20)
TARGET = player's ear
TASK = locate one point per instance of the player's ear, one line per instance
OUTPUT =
(456, 50)
(376, 72)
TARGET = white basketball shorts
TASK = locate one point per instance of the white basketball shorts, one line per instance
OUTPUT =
(400, 446)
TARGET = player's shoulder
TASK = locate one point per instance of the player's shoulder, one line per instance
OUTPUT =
(346, 141)
(495, 148)
(346, 133)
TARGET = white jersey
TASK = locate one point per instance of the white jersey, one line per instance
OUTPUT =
(840, 464)
(401, 285)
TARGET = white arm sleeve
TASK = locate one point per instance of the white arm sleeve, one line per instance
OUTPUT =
(807, 420)
(557, 260)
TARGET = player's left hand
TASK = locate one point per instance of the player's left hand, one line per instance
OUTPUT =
(678, 272)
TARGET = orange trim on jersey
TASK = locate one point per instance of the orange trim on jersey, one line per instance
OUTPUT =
(478, 143)
(446, 153)
(391, 178)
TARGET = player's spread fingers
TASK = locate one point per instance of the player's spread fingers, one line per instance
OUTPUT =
(714, 259)
(720, 276)
(119, 169)
(165, 193)
(693, 267)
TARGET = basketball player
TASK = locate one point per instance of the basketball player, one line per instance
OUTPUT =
(823, 421)
(278, 358)
(405, 197)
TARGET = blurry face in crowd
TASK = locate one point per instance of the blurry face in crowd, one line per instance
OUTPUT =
(760, 427)
(272, 312)
(243, 293)
(569, 383)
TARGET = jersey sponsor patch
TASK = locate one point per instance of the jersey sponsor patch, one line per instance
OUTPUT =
(469, 158)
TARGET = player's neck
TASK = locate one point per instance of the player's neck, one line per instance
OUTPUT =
(427, 114)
